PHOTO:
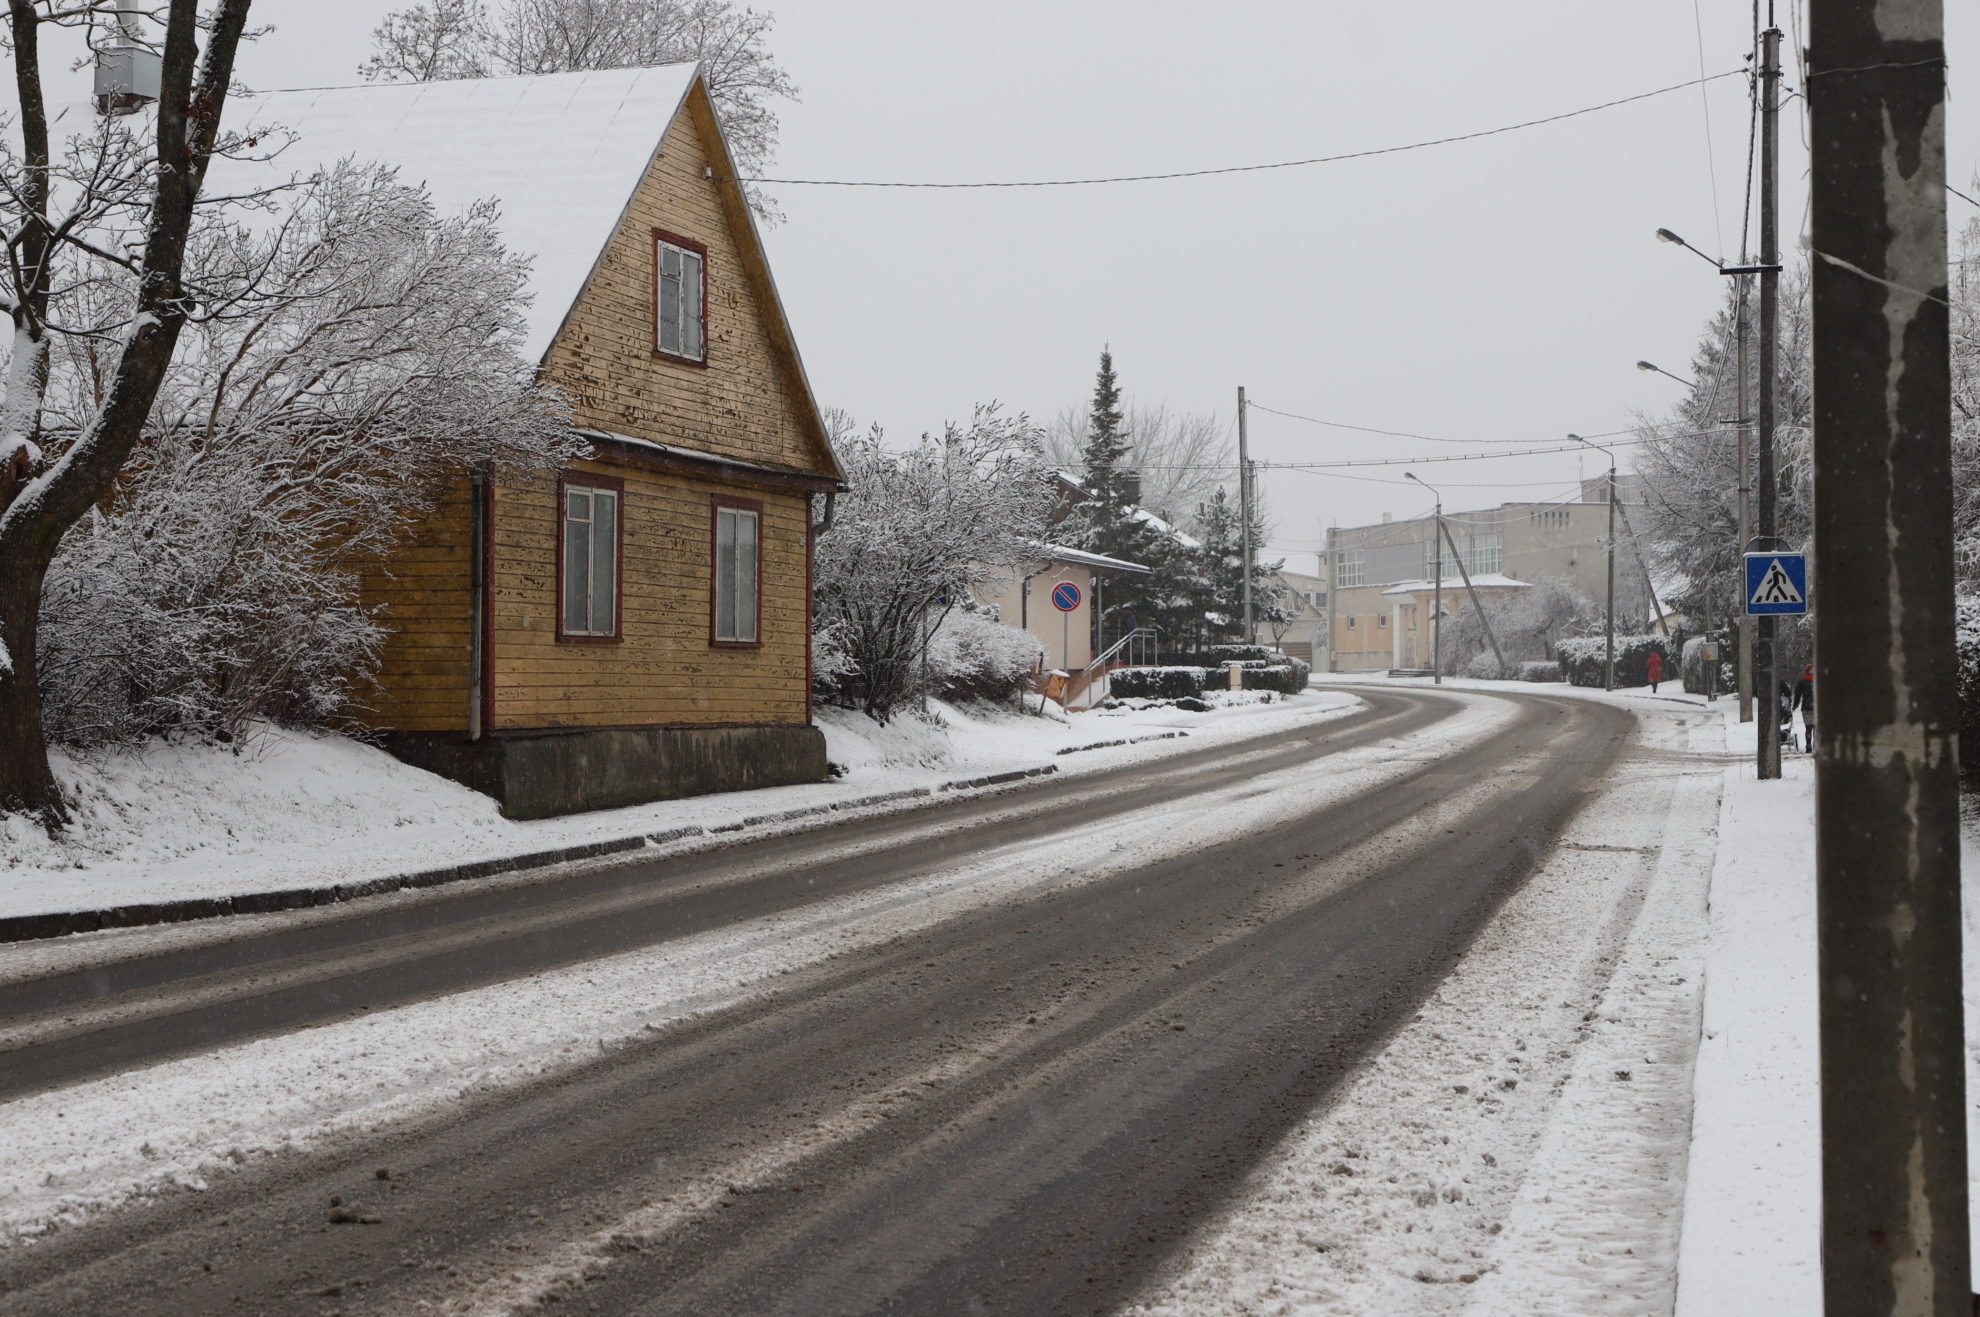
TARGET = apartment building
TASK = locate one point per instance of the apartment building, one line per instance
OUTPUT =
(1379, 607)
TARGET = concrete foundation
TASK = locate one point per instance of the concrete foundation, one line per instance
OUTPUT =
(543, 773)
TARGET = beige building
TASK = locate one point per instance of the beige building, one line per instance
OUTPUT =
(1025, 599)
(1305, 635)
(1379, 608)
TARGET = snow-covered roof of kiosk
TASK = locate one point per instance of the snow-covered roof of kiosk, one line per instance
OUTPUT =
(560, 152)
(1481, 580)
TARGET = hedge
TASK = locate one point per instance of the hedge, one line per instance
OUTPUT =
(1692, 665)
(1155, 683)
(1583, 659)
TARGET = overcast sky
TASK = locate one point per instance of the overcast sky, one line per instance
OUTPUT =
(1498, 289)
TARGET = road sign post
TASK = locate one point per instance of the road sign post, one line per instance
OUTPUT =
(1065, 598)
(1776, 584)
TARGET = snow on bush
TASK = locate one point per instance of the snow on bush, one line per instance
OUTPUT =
(1691, 663)
(1156, 683)
(973, 656)
(1584, 659)
(1966, 638)
(915, 532)
(297, 438)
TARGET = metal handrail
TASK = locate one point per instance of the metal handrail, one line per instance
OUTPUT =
(1147, 635)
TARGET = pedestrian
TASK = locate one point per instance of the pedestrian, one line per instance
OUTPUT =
(1656, 667)
(1804, 700)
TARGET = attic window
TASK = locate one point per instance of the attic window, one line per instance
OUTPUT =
(680, 297)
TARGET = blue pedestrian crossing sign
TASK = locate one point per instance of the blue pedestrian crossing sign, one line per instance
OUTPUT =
(1776, 583)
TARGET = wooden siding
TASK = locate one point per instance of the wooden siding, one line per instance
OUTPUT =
(747, 401)
(422, 594)
(665, 671)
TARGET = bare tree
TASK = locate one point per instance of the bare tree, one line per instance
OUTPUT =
(296, 438)
(1181, 457)
(436, 40)
(58, 201)
(917, 530)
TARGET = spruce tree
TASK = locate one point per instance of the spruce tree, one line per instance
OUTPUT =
(1112, 524)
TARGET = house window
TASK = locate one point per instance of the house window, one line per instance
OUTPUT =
(1350, 623)
(738, 557)
(1349, 571)
(588, 554)
(681, 288)
(1381, 619)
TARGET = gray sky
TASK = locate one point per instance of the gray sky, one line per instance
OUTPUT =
(1499, 289)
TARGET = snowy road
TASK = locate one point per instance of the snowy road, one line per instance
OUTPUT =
(1003, 1056)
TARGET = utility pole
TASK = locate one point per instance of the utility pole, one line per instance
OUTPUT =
(1437, 588)
(1484, 620)
(1744, 622)
(1244, 513)
(1768, 735)
(1894, 1210)
(1609, 630)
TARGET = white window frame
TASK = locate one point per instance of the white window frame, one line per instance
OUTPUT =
(1349, 570)
(736, 615)
(680, 299)
(588, 529)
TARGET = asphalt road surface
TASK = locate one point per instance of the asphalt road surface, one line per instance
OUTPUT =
(1023, 1110)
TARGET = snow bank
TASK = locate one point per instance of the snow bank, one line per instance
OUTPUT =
(172, 821)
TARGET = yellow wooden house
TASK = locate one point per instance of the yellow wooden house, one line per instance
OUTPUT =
(637, 626)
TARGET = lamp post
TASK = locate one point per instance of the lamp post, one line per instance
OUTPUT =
(1609, 628)
(1437, 607)
(1769, 264)
(1651, 365)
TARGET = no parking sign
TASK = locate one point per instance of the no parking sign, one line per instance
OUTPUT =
(1065, 596)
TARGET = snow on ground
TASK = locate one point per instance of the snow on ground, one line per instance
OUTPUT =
(69, 1153)
(292, 809)
(1519, 1148)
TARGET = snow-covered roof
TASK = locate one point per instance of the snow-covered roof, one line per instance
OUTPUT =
(1081, 558)
(1180, 537)
(561, 153)
(1481, 580)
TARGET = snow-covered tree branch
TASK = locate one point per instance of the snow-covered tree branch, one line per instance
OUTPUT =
(916, 531)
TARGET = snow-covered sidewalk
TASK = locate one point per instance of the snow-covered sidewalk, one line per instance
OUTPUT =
(169, 823)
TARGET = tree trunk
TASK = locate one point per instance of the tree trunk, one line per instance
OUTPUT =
(27, 785)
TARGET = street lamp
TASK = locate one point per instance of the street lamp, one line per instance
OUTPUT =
(1741, 621)
(1665, 235)
(1609, 628)
(1437, 607)
(1651, 365)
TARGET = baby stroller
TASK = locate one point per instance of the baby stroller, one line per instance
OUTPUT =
(1784, 715)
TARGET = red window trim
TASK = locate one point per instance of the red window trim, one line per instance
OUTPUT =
(585, 480)
(701, 250)
(715, 502)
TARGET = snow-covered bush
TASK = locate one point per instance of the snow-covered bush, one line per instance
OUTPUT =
(1158, 683)
(1215, 655)
(300, 433)
(1526, 623)
(973, 656)
(1287, 677)
(1584, 659)
(1535, 671)
(915, 532)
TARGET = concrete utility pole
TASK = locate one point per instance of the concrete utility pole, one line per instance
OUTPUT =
(1894, 1210)
(1244, 513)
(1437, 608)
(1483, 620)
(1744, 622)
(1768, 677)
(1609, 628)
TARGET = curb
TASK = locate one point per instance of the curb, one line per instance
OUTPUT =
(1126, 740)
(62, 923)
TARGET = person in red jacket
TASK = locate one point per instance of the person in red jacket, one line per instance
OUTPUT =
(1656, 667)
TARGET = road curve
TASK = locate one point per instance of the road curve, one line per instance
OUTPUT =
(1019, 1111)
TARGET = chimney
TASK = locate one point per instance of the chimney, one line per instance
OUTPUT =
(1131, 483)
(127, 74)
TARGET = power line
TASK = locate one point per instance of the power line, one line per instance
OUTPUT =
(1250, 169)
(1255, 405)
(1705, 103)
